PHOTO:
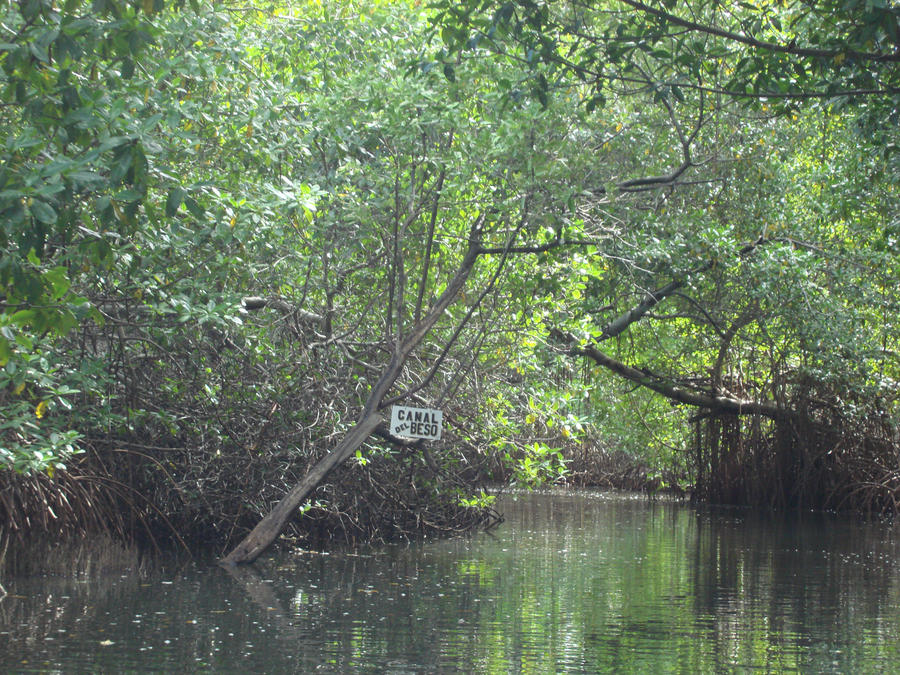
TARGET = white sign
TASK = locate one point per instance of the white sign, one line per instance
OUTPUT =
(416, 422)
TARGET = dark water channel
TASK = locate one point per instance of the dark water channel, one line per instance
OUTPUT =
(570, 583)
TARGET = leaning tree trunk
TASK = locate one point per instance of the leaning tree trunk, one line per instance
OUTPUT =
(267, 530)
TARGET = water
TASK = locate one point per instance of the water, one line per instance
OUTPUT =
(570, 583)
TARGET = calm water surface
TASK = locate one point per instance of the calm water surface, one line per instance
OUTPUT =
(572, 582)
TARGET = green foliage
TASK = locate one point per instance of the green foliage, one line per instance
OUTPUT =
(160, 164)
(745, 156)
(74, 171)
(482, 500)
(119, 223)
(789, 52)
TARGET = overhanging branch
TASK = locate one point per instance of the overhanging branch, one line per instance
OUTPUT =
(708, 400)
(750, 41)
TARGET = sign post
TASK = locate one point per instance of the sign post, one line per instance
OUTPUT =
(416, 422)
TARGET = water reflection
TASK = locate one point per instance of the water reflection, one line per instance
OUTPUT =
(572, 582)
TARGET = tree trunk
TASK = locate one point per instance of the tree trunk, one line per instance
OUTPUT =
(268, 529)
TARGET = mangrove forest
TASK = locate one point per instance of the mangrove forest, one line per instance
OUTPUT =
(649, 245)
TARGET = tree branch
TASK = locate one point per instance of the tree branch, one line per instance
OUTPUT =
(749, 40)
(252, 303)
(718, 403)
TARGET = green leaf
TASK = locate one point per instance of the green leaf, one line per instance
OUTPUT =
(43, 212)
(23, 317)
(448, 35)
(194, 207)
(129, 195)
(449, 72)
(174, 200)
(58, 280)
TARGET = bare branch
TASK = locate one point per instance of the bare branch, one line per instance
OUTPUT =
(252, 303)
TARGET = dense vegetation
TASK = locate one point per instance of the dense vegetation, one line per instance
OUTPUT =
(615, 246)
(769, 134)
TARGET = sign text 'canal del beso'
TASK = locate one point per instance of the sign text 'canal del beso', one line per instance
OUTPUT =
(416, 422)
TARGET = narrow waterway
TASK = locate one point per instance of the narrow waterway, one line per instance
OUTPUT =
(572, 582)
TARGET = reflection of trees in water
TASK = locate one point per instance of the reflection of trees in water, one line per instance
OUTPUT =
(570, 583)
(718, 588)
(55, 590)
(789, 577)
(392, 608)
